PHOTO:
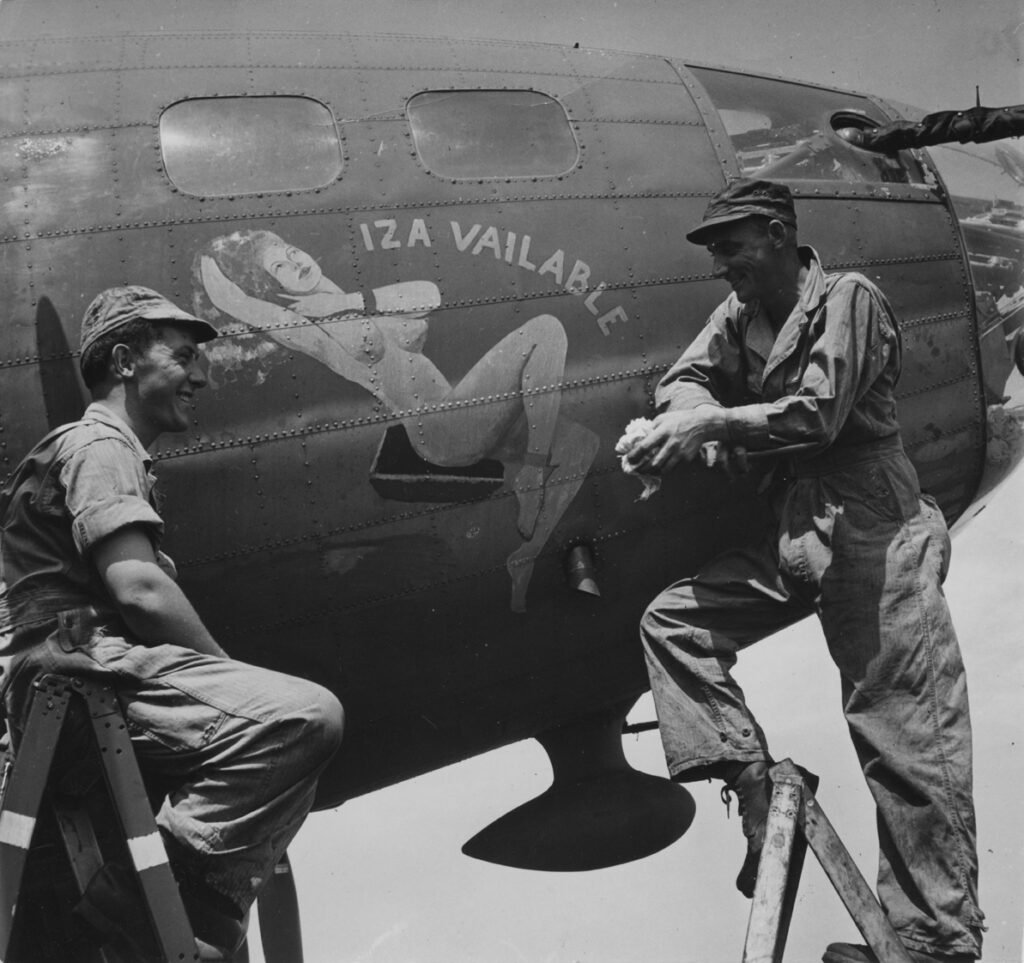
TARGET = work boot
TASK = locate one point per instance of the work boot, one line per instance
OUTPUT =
(214, 930)
(753, 789)
(113, 910)
(208, 953)
(855, 953)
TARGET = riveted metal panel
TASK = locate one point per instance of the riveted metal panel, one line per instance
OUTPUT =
(61, 55)
(67, 102)
(19, 379)
(445, 55)
(936, 351)
(922, 289)
(662, 102)
(640, 157)
(61, 182)
(147, 92)
(331, 54)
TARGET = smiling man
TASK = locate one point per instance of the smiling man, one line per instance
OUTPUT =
(805, 361)
(236, 750)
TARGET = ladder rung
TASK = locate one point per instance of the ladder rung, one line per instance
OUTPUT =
(55, 698)
(795, 820)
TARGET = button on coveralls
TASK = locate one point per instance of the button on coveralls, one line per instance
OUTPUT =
(854, 541)
(238, 749)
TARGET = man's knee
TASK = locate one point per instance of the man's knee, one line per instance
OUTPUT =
(333, 721)
(673, 628)
(649, 634)
(324, 718)
(656, 626)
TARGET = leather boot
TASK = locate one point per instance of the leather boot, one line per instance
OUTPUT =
(753, 789)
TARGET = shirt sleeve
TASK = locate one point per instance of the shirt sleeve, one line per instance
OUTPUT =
(710, 370)
(852, 339)
(106, 489)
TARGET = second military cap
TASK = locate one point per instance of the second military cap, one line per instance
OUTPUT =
(742, 199)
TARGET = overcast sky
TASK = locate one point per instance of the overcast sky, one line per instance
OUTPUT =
(382, 879)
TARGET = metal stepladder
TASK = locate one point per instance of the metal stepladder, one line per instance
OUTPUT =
(47, 807)
(796, 821)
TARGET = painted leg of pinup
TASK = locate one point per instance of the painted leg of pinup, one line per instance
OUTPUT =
(520, 381)
(573, 451)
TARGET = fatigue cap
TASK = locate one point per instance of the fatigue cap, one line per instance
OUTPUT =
(115, 307)
(742, 199)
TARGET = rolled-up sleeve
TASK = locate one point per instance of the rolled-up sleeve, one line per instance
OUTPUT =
(710, 370)
(107, 489)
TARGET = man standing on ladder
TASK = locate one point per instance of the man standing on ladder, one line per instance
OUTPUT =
(798, 357)
(85, 590)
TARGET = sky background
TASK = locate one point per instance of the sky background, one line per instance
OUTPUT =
(382, 879)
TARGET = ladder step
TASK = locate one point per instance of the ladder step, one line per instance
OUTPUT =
(32, 793)
(795, 821)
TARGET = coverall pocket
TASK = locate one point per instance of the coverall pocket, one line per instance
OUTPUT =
(879, 487)
(154, 705)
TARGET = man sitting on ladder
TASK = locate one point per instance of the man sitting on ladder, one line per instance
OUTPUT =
(86, 590)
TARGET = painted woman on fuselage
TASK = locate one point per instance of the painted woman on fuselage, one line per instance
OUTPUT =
(267, 284)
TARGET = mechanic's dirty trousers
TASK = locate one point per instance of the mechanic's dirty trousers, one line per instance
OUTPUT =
(237, 748)
(857, 544)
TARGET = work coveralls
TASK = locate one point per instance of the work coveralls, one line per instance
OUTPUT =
(238, 749)
(853, 540)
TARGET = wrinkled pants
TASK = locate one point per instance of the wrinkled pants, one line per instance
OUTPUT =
(237, 749)
(859, 546)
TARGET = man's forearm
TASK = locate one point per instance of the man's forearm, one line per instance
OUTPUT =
(169, 617)
(144, 591)
(157, 611)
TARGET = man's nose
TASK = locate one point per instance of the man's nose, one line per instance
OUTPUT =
(718, 268)
(196, 374)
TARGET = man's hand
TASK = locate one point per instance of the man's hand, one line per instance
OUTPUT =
(732, 460)
(677, 436)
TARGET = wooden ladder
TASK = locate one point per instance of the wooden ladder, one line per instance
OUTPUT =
(795, 820)
(86, 714)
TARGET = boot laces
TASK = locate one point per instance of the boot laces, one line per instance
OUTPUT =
(749, 809)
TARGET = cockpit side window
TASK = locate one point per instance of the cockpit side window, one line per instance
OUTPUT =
(492, 133)
(224, 146)
(783, 130)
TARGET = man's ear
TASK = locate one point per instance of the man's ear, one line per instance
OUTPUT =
(777, 232)
(122, 361)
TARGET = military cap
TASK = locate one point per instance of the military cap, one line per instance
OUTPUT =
(742, 199)
(115, 307)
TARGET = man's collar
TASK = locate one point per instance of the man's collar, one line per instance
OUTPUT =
(99, 412)
(814, 284)
(811, 296)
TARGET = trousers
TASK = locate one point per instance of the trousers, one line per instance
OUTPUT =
(858, 545)
(234, 750)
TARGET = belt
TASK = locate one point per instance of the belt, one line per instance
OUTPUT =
(845, 456)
